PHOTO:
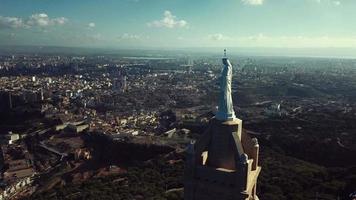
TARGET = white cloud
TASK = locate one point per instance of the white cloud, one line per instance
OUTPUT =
(35, 20)
(336, 3)
(11, 22)
(91, 25)
(257, 37)
(253, 2)
(42, 20)
(127, 36)
(60, 20)
(221, 37)
(217, 37)
(330, 2)
(296, 41)
(168, 21)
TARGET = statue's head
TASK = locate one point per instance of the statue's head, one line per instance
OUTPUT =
(225, 61)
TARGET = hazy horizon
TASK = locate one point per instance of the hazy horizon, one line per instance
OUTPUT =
(182, 24)
(344, 53)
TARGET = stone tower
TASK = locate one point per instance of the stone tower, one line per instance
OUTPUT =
(223, 163)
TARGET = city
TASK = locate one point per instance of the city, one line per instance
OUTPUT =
(135, 100)
(56, 108)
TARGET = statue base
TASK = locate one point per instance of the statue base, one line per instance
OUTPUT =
(222, 164)
(225, 116)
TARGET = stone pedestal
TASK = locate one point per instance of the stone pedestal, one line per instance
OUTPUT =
(225, 144)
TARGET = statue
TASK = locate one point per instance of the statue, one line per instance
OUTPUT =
(226, 108)
(223, 163)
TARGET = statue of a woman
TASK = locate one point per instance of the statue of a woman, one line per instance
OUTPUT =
(226, 108)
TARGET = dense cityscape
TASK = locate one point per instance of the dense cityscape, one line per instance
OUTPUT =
(79, 127)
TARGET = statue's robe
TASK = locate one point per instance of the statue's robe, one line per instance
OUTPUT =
(226, 108)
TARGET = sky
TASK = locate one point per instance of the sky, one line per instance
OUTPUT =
(179, 23)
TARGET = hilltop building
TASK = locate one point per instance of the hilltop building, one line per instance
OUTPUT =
(223, 163)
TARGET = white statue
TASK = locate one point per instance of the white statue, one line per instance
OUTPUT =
(226, 108)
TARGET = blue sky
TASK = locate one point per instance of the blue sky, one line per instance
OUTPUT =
(179, 23)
